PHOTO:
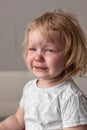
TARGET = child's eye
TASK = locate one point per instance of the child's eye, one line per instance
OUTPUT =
(50, 50)
(32, 49)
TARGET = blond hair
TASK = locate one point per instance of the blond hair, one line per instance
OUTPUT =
(73, 35)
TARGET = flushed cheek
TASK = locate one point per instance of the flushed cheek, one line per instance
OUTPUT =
(57, 64)
(29, 62)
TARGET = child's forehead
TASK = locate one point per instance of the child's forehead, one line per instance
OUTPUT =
(53, 38)
(48, 35)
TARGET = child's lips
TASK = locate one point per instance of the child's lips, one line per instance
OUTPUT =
(40, 67)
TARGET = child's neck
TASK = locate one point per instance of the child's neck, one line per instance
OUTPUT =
(43, 83)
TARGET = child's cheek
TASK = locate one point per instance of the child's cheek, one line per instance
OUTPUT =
(29, 62)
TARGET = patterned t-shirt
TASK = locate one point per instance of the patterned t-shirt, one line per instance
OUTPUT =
(54, 108)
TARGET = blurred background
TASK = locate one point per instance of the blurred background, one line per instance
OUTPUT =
(14, 17)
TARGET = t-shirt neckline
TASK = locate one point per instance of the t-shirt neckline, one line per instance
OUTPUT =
(58, 86)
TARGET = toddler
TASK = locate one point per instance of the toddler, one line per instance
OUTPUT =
(54, 51)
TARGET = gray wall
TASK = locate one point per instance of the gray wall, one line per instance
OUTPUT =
(15, 15)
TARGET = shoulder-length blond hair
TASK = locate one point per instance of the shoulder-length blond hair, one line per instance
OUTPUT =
(73, 35)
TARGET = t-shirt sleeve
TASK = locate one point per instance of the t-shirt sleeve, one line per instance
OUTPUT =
(24, 93)
(22, 100)
(74, 111)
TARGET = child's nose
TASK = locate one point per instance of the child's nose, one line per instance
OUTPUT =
(39, 57)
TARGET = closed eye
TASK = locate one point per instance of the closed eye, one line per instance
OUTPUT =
(50, 50)
(32, 49)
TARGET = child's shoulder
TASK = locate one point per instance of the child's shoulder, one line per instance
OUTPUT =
(72, 87)
(70, 90)
(29, 84)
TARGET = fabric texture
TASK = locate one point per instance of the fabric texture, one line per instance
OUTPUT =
(54, 108)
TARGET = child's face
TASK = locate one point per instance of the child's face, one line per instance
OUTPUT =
(45, 59)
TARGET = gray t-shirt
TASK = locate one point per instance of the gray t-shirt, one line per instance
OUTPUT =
(54, 108)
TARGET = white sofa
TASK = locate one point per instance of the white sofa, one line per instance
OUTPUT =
(11, 86)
